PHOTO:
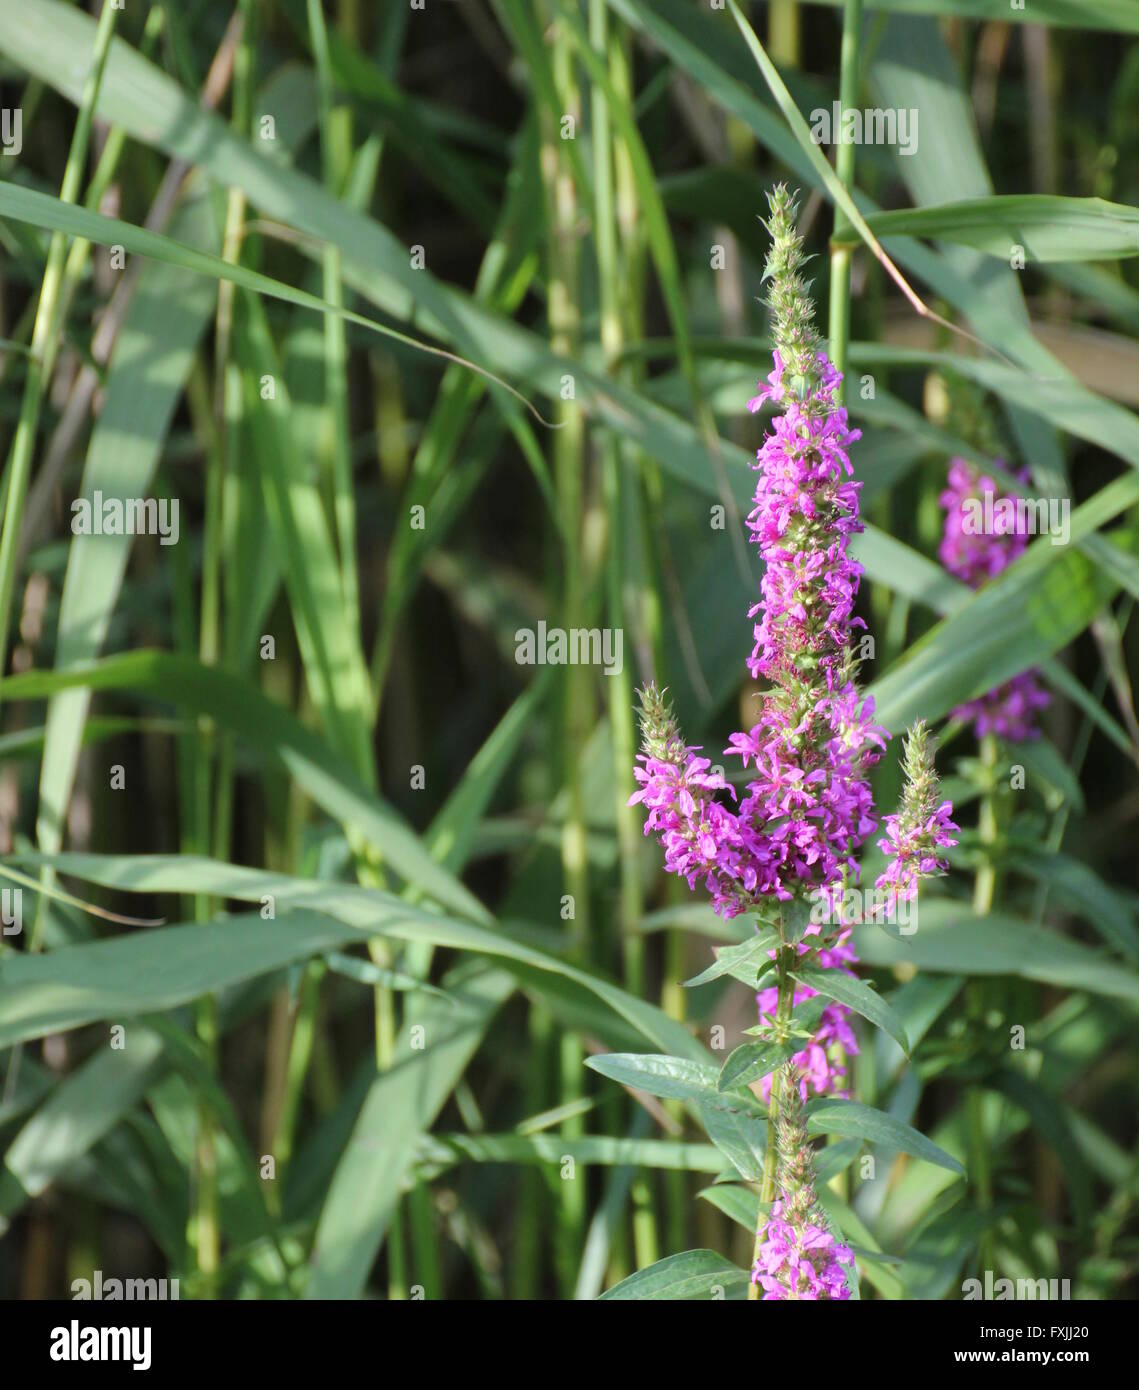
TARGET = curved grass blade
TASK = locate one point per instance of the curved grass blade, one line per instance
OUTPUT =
(42, 210)
(276, 734)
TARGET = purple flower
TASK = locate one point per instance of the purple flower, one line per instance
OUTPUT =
(807, 809)
(815, 737)
(984, 534)
(921, 827)
(798, 1259)
(1008, 710)
(704, 841)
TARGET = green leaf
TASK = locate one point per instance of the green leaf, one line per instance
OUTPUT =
(1030, 611)
(1085, 893)
(739, 1135)
(1049, 228)
(694, 1274)
(42, 210)
(151, 971)
(951, 939)
(79, 1112)
(753, 1060)
(740, 1204)
(276, 734)
(330, 647)
(848, 1117)
(364, 972)
(674, 1078)
(743, 962)
(856, 995)
(154, 349)
(437, 1153)
(400, 1106)
(368, 910)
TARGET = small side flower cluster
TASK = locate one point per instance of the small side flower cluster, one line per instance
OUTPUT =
(921, 827)
(1008, 710)
(704, 841)
(796, 1257)
(818, 1070)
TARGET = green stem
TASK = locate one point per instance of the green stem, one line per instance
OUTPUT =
(569, 468)
(334, 158)
(984, 886)
(984, 895)
(783, 32)
(785, 998)
(45, 334)
(844, 168)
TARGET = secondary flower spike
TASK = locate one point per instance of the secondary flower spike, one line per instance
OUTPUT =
(796, 1257)
(922, 826)
(973, 555)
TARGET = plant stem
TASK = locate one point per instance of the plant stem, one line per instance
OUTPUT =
(984, 887)
(569, 468)
(984, 895)
(782, 1016)
(844, 168)
(45, 334)
(334, 154)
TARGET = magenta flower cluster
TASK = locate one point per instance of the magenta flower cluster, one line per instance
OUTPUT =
(912, 846)
(799, 1261)
(804, 493)
(815, 737)
(975, 555)
(808, 808)
(703, 840)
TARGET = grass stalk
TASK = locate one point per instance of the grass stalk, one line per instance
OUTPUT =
(840, 256)
(334, 161)
(563, 288)
(46, 332)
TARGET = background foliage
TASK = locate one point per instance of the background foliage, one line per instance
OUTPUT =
(363, 845)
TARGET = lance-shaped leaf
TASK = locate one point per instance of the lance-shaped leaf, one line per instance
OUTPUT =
(856, 995)
(693, 1274)
(673, 1078)
(849, 1118)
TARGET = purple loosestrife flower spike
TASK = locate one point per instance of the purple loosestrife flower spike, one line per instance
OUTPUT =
(797, 1256)
(975, 556)
(794, 833)
(815, 738)
(921, 827)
